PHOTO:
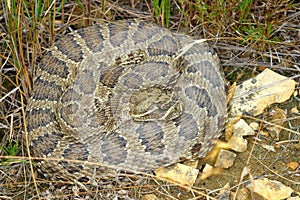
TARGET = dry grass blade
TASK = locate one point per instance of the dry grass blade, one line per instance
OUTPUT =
(249, 36)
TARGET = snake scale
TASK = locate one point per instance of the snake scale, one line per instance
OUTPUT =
(127, 95)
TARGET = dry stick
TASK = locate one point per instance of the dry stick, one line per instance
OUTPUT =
(98, 164)
(243, 174)
(278, 126)
(28, 151)
(291, 181)
(9, 93)
(51, 5)
(269, 123)
(266, 122)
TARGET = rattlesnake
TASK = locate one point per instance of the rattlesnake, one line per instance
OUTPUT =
(126, 95)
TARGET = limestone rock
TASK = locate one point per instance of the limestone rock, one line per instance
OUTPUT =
(254, 95)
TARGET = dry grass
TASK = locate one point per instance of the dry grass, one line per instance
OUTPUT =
(249, 36)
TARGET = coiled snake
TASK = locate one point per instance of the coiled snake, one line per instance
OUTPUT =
(127, 95)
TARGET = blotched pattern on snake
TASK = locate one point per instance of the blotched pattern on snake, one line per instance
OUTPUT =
(127, 95)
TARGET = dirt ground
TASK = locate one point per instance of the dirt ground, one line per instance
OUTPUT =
(249, 36)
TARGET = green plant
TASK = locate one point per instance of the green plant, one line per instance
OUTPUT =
(12, 149)
(259, 33)
(162, 10)
(244, 9)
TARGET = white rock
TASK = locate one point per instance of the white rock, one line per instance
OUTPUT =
(254, 95)
(237, 143)
(254, 126)
(269, 189)
(208, 171)
(179, 173)
(242, 128)
(225, 159)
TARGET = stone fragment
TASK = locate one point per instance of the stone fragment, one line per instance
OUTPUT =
(242, 128)
(238, 143)
(208, 171)
(264, 133)
(269, 189)
(213, 154)
(254, 126)
(225, 159)
(178, 173)
(254, 95)
(293, 165)
(295, 110)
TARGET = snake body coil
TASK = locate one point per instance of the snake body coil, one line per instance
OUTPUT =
(126, 95)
